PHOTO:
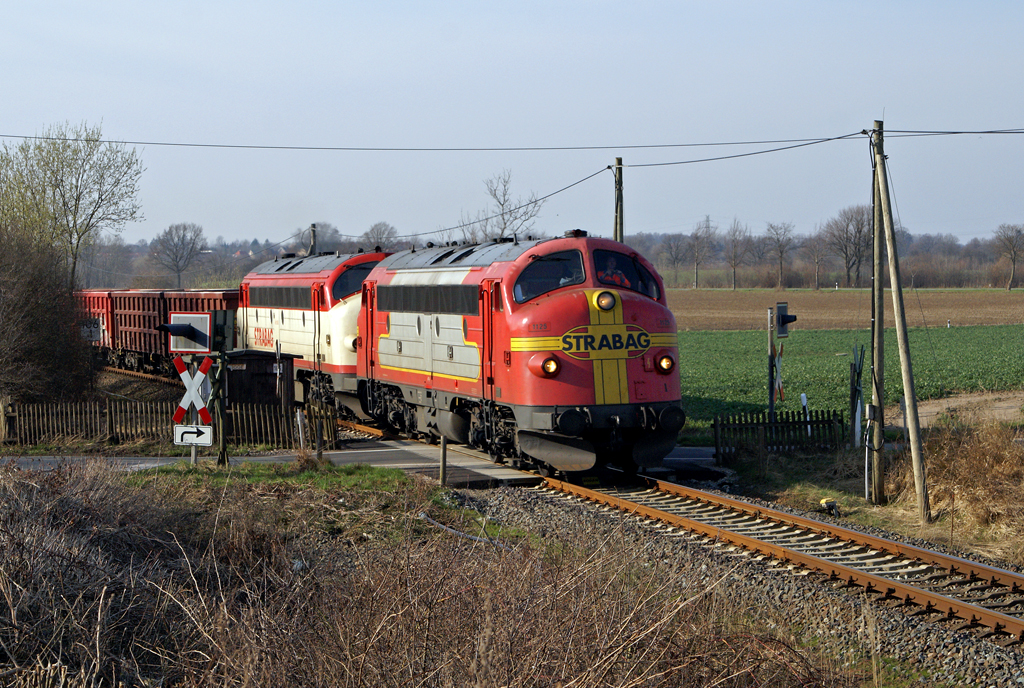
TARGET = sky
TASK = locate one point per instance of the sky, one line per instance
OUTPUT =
(452, 83)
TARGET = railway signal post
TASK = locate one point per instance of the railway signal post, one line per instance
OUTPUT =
(192, 333)
(778, 326)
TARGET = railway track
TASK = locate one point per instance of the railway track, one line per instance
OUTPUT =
(921, 582)
(143, 376)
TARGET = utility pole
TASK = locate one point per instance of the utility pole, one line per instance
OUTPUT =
(771, 366)
(877, 439)
(909, 393)
(617, 232)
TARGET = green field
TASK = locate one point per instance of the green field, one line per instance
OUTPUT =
(727, 371)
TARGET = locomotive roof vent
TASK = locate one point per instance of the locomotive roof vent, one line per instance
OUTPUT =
(576, 233)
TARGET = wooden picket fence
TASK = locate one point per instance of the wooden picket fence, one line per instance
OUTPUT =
(119, 420)
(114, 420)
(790, 431)
(261, 424)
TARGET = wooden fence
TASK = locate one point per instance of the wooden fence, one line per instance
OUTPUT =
(125, 421)
(790, 431)
(114, 420)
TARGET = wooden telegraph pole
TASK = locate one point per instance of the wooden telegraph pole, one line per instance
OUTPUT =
(909, 393)
(877, 439)
(617, 231)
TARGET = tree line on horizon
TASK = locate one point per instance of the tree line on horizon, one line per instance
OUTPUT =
(838, 253)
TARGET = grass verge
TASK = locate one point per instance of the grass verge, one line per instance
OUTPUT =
(183, 577)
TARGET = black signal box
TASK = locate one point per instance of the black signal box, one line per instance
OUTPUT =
(783, 319)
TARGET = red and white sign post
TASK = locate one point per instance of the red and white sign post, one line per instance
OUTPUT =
(193, 435)
(192, 386)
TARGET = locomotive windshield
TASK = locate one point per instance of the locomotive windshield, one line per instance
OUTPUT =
(621, 270)
(547, 273)
(351, 281)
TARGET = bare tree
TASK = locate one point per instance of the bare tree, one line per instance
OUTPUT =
(106, 263)
(780, 242)
(1009, 242)
(849, 238)
(644, 244)
(736, 248)
(815, 250)
(474, 229)
(673, 251)
(381, 234)
(507, 216)
(70, 184)
(700, 245)
(177, 247)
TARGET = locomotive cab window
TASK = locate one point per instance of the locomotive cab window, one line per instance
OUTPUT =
(351, 280)
(547, 273)
(619, 270)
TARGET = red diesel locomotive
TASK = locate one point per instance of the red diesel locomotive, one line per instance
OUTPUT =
(308, 306)
(559, 353)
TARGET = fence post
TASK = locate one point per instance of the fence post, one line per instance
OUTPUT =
(4, 403)
(762, 453)
(716, 425)
(110, 420)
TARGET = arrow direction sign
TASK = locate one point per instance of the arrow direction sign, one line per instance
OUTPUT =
(192, 385)
(200, 435)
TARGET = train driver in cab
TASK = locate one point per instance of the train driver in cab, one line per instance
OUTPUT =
(611, 274)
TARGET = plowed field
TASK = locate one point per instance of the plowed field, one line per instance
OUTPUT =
(714, 309)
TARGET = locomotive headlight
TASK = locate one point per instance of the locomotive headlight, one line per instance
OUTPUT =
(551, 366)
(665, 364)
(605, 300)
(544, 365)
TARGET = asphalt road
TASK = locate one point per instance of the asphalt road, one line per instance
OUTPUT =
(399, 454)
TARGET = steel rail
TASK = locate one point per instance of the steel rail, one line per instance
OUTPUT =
(368, 429)
(909, 596)
(973, 570)
(144, 376)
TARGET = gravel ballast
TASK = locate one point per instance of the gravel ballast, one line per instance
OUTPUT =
(802, 608)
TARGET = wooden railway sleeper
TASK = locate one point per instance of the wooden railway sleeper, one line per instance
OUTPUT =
(1000, 592)
(899, 569)
(1004, 605)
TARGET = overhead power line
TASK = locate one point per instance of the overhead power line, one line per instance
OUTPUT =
(423, 149)
(502, 149)
(904, 133)
(803, 144)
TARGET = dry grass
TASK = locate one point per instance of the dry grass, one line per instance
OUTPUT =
(721, 309)
(975, 477)
(177, 585)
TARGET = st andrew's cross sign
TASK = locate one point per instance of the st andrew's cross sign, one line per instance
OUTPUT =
(192, 385)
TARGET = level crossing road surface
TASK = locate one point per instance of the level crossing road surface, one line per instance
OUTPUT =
(464, 470)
